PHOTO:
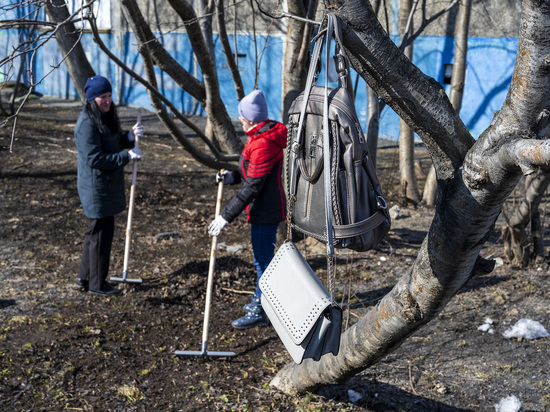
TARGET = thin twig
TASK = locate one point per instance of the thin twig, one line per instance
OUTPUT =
(283, 14)
(410, 378)
(239, 292)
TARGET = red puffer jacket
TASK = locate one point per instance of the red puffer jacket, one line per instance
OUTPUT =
(260, 173)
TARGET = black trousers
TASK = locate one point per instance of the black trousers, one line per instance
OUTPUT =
(96, 254)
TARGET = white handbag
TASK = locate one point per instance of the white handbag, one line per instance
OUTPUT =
(300, 308)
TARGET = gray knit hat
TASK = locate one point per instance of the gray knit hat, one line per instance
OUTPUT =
(253, 107)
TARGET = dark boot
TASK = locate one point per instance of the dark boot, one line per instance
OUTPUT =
(82, 285)
(256, 300)
(255, 316)
(106, 290)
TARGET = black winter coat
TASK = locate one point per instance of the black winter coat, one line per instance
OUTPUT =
(101, 161)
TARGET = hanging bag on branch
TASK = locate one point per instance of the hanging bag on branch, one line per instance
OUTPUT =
(304, 314)
(301, 310)
(358, 208)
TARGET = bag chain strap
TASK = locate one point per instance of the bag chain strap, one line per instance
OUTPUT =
(294, 146)
(292, 198)
(327, 160)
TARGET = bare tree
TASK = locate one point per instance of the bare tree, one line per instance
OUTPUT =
(409, 186)
(458, 79)
(68, 39)
(60, 27)
(522, 233)
(474, 180)
(297, 50)
(219, 144)
(373, 109)
(409, 12)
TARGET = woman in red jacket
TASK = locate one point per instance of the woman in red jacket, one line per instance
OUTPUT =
(261, 193)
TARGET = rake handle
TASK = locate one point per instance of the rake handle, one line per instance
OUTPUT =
(211, 268)
(131, 207)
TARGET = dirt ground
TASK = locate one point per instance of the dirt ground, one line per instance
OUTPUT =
(61, 349)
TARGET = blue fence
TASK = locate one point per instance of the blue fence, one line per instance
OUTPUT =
(489, 70)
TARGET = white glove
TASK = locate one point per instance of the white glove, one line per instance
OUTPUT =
(226, 176)
(216, 226)
(135, 154)
(137, 130)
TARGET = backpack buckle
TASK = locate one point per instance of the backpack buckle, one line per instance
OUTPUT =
(381, 202)
(341, 64)
(312, 145)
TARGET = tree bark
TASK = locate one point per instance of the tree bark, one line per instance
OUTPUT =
(212, 103)
(516, 241)
(429, 194)
(68, 39)
(297, 51)
(373, 123)
(409, 186)
(230, 55)
(474, 179)
(458, 79)
(461, 51)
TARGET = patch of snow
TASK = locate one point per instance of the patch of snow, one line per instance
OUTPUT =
(233, 249)
(395, 212)
(486, 327)
(509, 404)
(526, 328)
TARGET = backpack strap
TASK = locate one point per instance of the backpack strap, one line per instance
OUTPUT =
(297, 146)
(341, 59)
(333, 29)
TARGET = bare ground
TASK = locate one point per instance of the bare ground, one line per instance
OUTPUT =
(61, 349)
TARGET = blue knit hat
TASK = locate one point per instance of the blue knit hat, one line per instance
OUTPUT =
(96, 86)
(253, 107)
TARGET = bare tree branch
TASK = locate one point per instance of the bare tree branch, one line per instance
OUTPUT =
(154, 93)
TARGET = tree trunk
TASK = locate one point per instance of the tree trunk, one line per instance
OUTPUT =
(409, 186)
(457, 84)
(297, 51)
(160, 55)
(475, 178)
(373, 123)
(461, 51)
(214, 106)
(212, 103)
(515, 237)
(68, 39)
(373, 110)
(230, 56)
(429, 195)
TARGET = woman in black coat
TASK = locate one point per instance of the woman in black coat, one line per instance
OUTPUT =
(100, 146)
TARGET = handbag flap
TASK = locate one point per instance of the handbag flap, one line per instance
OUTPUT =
(294, 292)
